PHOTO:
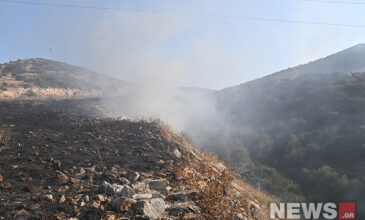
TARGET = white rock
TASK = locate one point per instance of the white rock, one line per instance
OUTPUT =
(142, 196)
(177, 153)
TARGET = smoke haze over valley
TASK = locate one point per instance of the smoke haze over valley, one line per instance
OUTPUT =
(180, 110)
(311, 115)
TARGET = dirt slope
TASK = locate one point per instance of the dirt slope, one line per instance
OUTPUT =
(55, 165)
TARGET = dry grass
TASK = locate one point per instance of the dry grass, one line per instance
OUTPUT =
(221, 192)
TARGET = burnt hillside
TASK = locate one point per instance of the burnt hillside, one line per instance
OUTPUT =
(57, 165)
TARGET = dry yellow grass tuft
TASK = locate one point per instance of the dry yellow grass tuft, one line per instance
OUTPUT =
(221, 192)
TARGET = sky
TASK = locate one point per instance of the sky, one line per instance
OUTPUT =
(174, 43)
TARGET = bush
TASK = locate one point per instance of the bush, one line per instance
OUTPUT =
(212, 189)
(275, 183)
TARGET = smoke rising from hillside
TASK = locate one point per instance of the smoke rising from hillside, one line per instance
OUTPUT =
(144, 50)
(159, 50)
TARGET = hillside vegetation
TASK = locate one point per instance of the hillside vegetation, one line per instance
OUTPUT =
(300, 133)
(41, 78)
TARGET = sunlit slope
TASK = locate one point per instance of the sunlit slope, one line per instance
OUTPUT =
(41, 78)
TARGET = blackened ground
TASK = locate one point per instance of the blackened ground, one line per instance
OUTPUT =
(44, 138)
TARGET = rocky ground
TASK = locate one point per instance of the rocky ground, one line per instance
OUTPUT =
(58, 162)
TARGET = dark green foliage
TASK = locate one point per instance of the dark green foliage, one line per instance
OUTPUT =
(304, 136)
(14, 68)
(275, 183)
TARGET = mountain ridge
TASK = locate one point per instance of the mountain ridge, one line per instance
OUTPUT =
(295, 71)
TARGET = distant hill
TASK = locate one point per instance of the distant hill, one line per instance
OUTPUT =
(345, 61)
(302, 128)
(42, 78)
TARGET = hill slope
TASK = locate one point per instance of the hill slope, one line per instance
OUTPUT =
(301, 127)
(41, 78)
(56, 165)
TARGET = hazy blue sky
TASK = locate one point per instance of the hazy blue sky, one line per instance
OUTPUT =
(174, 49)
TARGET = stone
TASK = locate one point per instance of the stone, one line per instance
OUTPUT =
(193, 208)
(182, 196)
(157, 196)
(6, 185)
(108, 199)
(126, 205)
(75, 181)
(96, 204)
(90, 169)
(127, 191)
(62, 199)
(35, 190)
(100, 197)
(63, 189)
(157, 186)
(110, 189)
(154, 210)
(220, 167)
(158, 205)
(81, 174)
(139, 186)
(61, 177)
(103, 188)
(177, 153)
(57, 163)
(115, 189)
(73, 201)
(122, 204)
(22, 212)
(35, 206)
(142, 196)
(110, 217)
(117, 203)
(49, 197)
(132, 176)
(124, 181)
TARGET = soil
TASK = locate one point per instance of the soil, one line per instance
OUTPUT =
(48, 137)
